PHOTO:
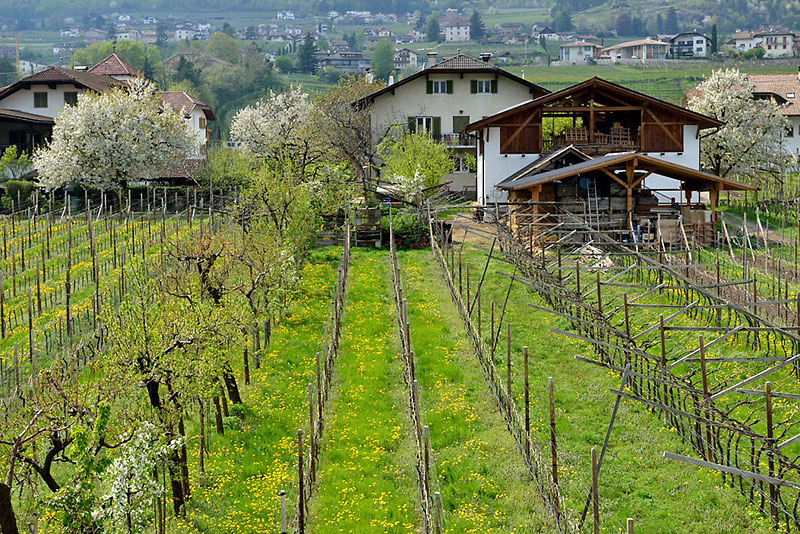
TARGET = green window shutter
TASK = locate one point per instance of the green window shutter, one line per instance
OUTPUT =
(449, 87)
(460, 122)
(412, 124)
(494, 86)
(473, 86)
(429, 87)
(437, 126)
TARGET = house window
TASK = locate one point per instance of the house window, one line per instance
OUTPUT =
(431, 126)
(202, 123)
(789, 95)
(460, 122)
(789, 131)
(460, 163)
(439, 87)
(483, 86)
(70, 98)
(40, 100)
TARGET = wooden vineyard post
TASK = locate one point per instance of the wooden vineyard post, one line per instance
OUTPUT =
(38, 291)
(460, 287)
(3, 306)
(67, 282)
(319, 391)
(509, 397)
(629, 526)
(427, 457)
(438, 515)
(466, 267)
(595, 496)
(578, 292)
(773, 494)
(478, 298)
(311, 438)
(527, 407)
(491, 330)
(663, 364)
(599, 294)
(30, 336)
(559, 262)
(553, 449)
(704, 379)
(282, 493)
(301, 508)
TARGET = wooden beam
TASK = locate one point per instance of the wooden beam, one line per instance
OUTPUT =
(755, 377)
(629, 186)
(663, 127)
(641, 179)
(614, 176)
(513, 136)
(598, 108)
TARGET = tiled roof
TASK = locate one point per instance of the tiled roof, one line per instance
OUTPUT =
(95, 82)
(462, 61)
(781, 85)
(742, 35)
(114, 65)
(23, 116)
(579, 43)
(181, 100)
(636, 43)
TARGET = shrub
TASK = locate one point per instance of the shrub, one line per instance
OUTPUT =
(237, 410)
(25, 189)
(231, 423)
(406, 229)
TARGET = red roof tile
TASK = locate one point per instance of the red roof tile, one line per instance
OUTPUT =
(114, 65)
(181, 100)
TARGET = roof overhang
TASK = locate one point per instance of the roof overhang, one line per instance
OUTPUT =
(598, 85)
(691, 179)
(11, 115)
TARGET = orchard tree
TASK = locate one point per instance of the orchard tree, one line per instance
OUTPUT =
(751, 140)
(110, 138)
(415, 163)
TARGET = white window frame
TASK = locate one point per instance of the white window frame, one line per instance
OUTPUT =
(424, 125)
(483, 86)
(439, 87)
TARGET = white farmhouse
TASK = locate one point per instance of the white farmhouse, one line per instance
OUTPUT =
(642, 49)
(691, 44)
(744, 41)
(596, 117)
(785, 90)
(196, 114)
(442, 100)
(777, 43)
(578, 52)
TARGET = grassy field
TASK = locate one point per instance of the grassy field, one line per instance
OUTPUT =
(245, 468)
(479, 469)
(367, 481)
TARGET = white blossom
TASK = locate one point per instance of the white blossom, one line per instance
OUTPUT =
(110, 138)
(272, 122)
(751, 141)
(131, 486)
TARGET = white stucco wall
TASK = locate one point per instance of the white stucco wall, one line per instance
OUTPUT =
(494, 167)
(193, 123)
(792, 144)
(411, 100)
(22, 100)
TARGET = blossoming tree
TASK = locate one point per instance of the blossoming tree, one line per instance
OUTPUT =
(750, 142)
(110, 138)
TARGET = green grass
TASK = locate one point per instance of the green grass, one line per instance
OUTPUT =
(245, 469)
(367, 481)
(661, 495)
(479, 469)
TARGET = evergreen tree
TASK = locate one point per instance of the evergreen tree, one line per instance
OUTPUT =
(714, 39)
(383, 59)
(227, 29)
(671, 24)
(432, 30)
(306, 62)
(477, 30)
(543, 42)
(659, 24)
(351, 40)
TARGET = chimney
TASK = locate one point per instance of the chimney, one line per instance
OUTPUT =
(486, 57)
(431, 59)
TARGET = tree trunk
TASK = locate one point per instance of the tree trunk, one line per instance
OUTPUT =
(187, 492)
(177, 485)
(230, 385)
(218, 414)
(8, 521)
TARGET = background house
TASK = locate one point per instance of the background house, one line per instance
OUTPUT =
(455, 28)
(777, 43)
(578, 52)
(690, 44)
(443, 99)
(785, 90)
(642, 49)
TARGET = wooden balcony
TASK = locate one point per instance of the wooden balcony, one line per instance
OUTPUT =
(617, 139)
